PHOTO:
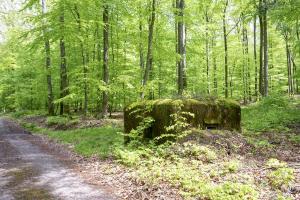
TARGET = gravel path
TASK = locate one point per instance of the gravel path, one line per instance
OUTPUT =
(28, 173)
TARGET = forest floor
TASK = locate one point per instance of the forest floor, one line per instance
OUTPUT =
(263, 162)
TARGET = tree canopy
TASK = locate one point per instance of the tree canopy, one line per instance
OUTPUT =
(98, 56)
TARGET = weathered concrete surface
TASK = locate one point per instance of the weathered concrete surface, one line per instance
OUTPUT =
(27, 172)
(208, 114)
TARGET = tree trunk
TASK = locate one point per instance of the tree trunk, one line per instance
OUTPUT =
(298, 38)
(225, 49)
(48, 64)
(296, 80)
(105, 96)
(231, 79)
(175, 6)
(261, 51)
(266, 59)
(84, 61)
(182, 82)
(244, 78)
(248, 74)
(207, 52)
(141, 47)
(150, 48)
(215, 67)
(255, 58)
(289, 65)
(64, 90)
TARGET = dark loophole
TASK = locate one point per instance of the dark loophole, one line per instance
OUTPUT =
(212, 126)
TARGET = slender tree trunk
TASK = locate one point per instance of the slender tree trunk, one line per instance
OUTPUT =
(105, 96)
(182, 82)
(266, 56)
(99, 71)
(255, 57)
(298, 38)
(150, 48)
(64, 90)
(215, 68)
(231, 79)
(207, 52)
(48, 64)
(177, 61)
(261, 51)
(248, 82)
(244, 76)
(225, 49)
(141, 47)
(296, 80)
(84, 61)
(289, 64)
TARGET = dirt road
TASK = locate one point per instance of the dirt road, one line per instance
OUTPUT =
(29, 173)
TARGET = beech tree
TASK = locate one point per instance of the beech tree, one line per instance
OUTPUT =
(95, 57)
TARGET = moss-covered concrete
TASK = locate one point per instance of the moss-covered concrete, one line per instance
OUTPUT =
(217, 114)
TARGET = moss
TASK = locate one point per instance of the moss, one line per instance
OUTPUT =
(220, 114)
(33, 193)
(20, 176)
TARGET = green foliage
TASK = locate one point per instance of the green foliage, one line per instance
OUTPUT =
(281, 177)
(295, 139)
(271, 113)
(31, 127)
(198, 152)
(231, 166)
(23, 84)
(138, 133)
(283, 197)
(259, 143)
(56, 120)
(127, 157)
(26, 113)
(230, 191)
(280, 174)
(89, 142)
(180, 126)
(179, 165)
(61, 121)
(275, 164)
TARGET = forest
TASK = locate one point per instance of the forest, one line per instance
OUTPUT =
(92, 57)
(191, 99)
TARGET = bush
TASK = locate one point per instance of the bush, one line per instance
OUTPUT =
(61, 121)
(271, 113)
(199, 152)
(231, 166)
(56, 120)
(275, 164)
(128, 158)
(223, 191)
(281, 177)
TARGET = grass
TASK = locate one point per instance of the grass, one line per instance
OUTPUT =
(272, 113)
(61, 121)
(90, 142)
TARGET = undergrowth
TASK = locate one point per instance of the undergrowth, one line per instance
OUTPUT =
(61, 121)
(199, 171)
(196, 170)
(272, 113)
(90, 142)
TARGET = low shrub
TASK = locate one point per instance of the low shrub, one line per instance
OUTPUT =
(281, 177)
